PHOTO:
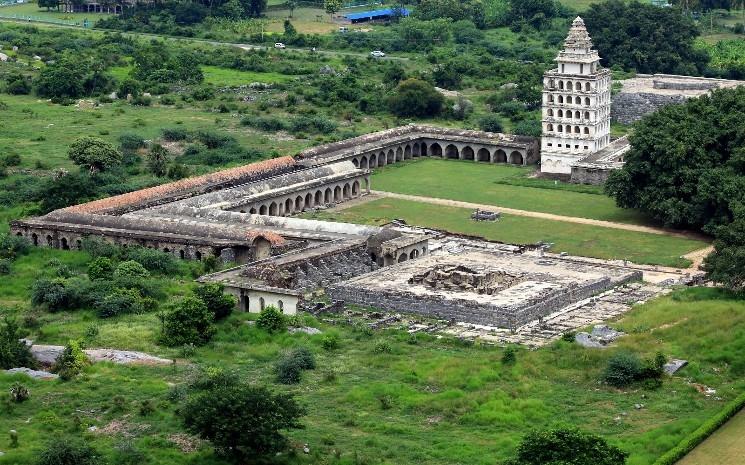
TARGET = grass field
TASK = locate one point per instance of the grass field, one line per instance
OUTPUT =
(725, 446)
(498, 185)
(446, 402)
(576, 239)
(33, 10)
(220, 77)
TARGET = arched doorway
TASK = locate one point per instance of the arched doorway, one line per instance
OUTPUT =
(347, 191)
(399, 154)
(500, 156)
(319, 198)
(516, 158)
(288, 206)
(364, 163)
(482, 155)
(309, 200)
(337, 194)
(435, 150)
(451, 152)
(327, 195)
(467, 153)
(391, 157)
(273, 209)
(299, 203)
(263, 210)
(407, 152)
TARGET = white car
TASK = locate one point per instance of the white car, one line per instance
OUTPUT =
(279, 45)
(377, 54)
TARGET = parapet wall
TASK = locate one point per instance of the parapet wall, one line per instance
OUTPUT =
(627, 108)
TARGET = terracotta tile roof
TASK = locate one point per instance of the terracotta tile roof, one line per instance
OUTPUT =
(273, 238)
(144, 196)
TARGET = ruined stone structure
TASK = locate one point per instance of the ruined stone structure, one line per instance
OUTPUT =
(647, 93)
(576, 104)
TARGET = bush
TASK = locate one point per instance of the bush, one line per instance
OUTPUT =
(509, 356)
(69, 451)
(122, 302)
(153, 260)
(271, 319)
(623, 369)
(188, 322)
(382, 347)
(267, 123)
(5, 267)
(19, 393)
(330, 342)
(130, 270)
(131, 142)
(71, 361)
(220, 304)
(490, 123)
(414, 97)
(100, 268)
(54, 294)
(175, 134)
(304, 358)
(566, 446)
(13, 246)
(288, 371)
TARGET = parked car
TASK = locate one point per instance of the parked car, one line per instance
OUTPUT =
(377, 54)
(343, 29)
(279, 45)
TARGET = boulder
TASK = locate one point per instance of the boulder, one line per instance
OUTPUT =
(585, 340)
(35, 374)
(47, 354)
(604, 334)
(304, 329)
(674, 365)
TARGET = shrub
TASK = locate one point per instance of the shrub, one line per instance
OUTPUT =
(330, 342)
(121, 302)
(71, 361)
(188, 322)
(175, 134)
(269, 124)
(12, 246)
(382, 347)
(53, 293)
(566, 446)
(5, 267)
(623, 369)
(69, 451)
(234, 417)
(147, 407)
(271, 319)
(152, 260)
(288, 371)
(304, 358)
(414, 97)
(129, 141)
(509, 356)
(220, 304)
(130, 270)
(100, 268)
(490, 123)
(215, 140)
(19, 393)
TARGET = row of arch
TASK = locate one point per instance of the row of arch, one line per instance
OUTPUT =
(569, 85)
(303, 202)
(569, 100)
(568, 129)
(245, 303)
(436, 150)
(568, 114)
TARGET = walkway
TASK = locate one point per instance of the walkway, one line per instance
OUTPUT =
(725, 447)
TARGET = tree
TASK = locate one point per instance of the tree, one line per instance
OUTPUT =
(71, 361)
(332, 6)
(291, 5)
(13, 352)
(69, 451)
(241, 421)
(94, 154)
(490, 123)
(220, 304)
(63, 79)
(566, 446)
(645, 38)
(48, 4)
(17, 84)
(536, 13)
(414, 97)
(726, 264)
(254, 8)
(188, 322)
(157, 160)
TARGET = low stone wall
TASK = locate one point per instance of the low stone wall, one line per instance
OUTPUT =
(627, 108)
(589, 175)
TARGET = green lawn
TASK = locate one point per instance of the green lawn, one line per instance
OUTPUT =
(725, 446)
(32, 10)
(447, 403)
(574, 238)
(500, 185)
(221, 77)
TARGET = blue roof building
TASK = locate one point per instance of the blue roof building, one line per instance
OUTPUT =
(376, 15)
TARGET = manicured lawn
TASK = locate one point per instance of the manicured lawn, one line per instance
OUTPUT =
(576, 239)
(33, 10)
(726, 445)
(495, 185)
(445, 402)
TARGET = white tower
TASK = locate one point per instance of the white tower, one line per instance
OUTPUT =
(576, 104)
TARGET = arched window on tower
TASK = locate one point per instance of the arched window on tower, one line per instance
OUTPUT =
(576, 129)
(578, 100)
(550, 112)
(578, 86)
(587, 101)
(587, 87)
(587, 131)
(559, 128)
(561, 99)
(549, 127)
(560, 113)
(576, 114)
(561, 85)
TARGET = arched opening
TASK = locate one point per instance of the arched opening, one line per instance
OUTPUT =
(399, 154)
(435, 150)
(467, 153)
(587, 101)
(578, 86)
(587, 87)
(561, 85)
(167, 250)
(576, 114)
(281, 305)
(423, 150)
(516, 158)
(587, 131)
(309, 200)
(252, 211)
(587, 115)
(391, 157)
(35, 239)
(273, 209)
(337, 194)
(550, 99)
(347, 191)
(262, 304)
(263, 210)
(576, 130)
(550, 112)
(245, 302)
(412, 254)
(561, 99)
(288, 206)
(356, 163)
(403, 258)
(319, 198)
(327, 195)
(299, 203)
(549, 127)
(198, 255)
(578, 100)
(407, 152)
(19, 234)
(482, 155)
(559, 128)
(181, 254)
(373, 161)
(356, 189)
(416, 150)
(451, 151)
(64, 244)
(500, 156)
(262, 248)
(364, 163)
(560, 113)
(50, 241)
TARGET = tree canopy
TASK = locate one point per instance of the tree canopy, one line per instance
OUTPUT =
(643, 37)
(566, 446)
(686, 168)
(414, 97)
(94, 153)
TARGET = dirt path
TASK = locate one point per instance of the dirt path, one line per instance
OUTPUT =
(545, 216)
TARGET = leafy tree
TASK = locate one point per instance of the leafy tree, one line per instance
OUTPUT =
(414, 97)
(17, 84)
(254, 8)
(13, 352)
(242, 422)
(566, 446)
(332, 6)
(48, 4)
(100, 268)
(188, 322)
(271, 319)
(69, 451)
(536, 13)
(726, 264)
(130, 269)
(645, 38)
(71, 361)
(456, 10)
(94, 154)
(490, 123)
(212, 295)
(157, 160)
(63, 79)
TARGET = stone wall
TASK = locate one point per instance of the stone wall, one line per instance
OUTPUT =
(627, 108)
(589, 175)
